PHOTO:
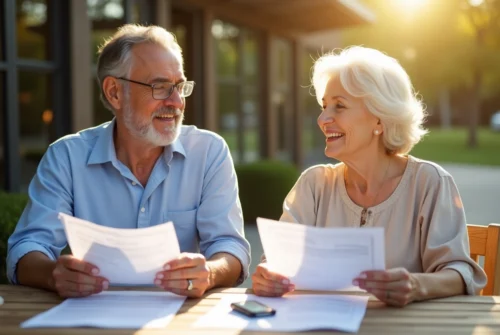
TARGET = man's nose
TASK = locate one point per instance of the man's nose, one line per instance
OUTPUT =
(175, 99)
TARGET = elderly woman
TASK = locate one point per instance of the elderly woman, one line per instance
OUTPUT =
(371, 119)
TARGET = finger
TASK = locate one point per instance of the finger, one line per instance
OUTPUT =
(397, 286)
(75, 264)
(63, 274)
(391, 297)
(75, 294)
(185, 260)
(71, 286)
(180, 284)
(257, 279)
(385, 275)
(270, 275)
(184, 273)
(268, 291)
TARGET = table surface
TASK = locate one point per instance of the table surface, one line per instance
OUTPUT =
(454, 315)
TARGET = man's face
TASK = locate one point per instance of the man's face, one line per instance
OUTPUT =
(155, 121)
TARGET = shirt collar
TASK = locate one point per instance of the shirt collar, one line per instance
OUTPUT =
(104, 148)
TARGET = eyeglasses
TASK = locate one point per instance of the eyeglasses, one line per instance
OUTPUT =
(161, 91)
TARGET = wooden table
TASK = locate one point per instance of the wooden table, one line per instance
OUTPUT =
(455, 315)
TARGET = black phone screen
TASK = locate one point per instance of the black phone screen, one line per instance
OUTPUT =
(253, 308)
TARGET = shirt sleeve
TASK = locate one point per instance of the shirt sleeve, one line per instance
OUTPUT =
(39, 228)
(300, 203)
(444, 238)
(219, 218)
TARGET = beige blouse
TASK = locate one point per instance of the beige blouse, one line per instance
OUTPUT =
(424, 220)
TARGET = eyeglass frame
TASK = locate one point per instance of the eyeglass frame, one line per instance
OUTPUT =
(152, 86)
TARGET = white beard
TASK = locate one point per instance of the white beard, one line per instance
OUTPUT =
(145, 130)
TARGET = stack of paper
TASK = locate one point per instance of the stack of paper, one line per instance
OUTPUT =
(118, 309)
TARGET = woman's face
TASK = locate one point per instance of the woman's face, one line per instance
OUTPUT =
(347, 124)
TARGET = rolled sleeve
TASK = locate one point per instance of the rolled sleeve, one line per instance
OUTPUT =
(21, 249)
(444, 243)
(465, 270)
(219, 216)
(38, 228)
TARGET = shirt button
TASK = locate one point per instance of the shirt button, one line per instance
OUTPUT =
(143, 209)
(134, 183)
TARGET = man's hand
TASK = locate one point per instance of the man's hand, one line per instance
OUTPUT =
(270, 284)
(76, 278)
(179, 273)
(396, 287)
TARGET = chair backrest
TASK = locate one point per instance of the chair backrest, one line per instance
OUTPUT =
(484, 241)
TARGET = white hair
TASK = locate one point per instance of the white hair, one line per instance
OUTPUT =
(385, 88)
(115, 53)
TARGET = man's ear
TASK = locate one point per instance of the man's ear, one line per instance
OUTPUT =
(113, 92)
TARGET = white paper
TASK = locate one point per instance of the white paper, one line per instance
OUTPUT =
(123, 256)
(293, 313)
(112, 309)
(315, 258)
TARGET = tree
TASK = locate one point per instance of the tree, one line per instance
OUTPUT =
(481, 20)
(438, 47)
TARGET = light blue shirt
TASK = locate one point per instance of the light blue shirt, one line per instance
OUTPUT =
(193, 184)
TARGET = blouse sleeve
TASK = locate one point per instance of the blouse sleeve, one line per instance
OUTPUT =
(444, 240)
(300, 203)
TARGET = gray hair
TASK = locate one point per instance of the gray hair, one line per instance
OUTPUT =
(115, 54)
(385, 88)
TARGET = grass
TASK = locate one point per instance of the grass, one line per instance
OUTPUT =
(450, 146)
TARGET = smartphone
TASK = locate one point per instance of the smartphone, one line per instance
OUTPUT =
(253, 308)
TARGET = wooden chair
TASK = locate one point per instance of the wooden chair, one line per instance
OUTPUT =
(484, 241)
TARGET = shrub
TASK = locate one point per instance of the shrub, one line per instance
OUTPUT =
(11, 207)
(263, 187)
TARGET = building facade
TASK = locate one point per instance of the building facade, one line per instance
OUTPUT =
(247, 57)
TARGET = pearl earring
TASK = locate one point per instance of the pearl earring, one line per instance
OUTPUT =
(376, 132)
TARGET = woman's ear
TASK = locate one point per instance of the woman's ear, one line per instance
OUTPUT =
(112, 91)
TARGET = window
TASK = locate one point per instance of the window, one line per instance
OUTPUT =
(237, 87)
(32, 29)
(2, 125)
(106, 16)
(35, 121)
(2, 37)
(281, 97)
(313, 140)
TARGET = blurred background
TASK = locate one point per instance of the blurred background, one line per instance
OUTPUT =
(251, 61)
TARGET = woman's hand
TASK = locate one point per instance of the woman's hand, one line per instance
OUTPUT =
(270, 284)
(396, 287)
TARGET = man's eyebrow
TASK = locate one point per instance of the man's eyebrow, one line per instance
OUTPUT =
(165, 80)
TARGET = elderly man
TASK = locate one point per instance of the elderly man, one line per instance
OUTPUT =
(141, 169)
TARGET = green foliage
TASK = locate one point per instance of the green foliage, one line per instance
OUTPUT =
(11, 207)
(449, 146)
(435, 42)
(263, 187)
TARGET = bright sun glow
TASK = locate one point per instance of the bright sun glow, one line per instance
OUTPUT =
(476, 3)
(411, 6)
